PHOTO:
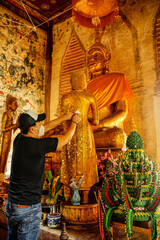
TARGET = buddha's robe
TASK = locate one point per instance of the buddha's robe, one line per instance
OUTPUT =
(110, 88)
(79, 155)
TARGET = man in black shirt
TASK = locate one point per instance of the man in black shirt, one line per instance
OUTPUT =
(23, 206)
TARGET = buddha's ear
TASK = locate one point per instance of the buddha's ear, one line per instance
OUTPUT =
(88, 76)
(106, 70)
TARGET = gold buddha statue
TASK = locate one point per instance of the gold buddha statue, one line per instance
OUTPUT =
(7, 127)
(79, 155)
(112, 91)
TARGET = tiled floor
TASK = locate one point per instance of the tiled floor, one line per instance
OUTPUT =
(91, 234)
(54, 234)
(120, 234)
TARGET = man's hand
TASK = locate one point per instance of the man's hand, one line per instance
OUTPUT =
(76, 118)
(66, 138)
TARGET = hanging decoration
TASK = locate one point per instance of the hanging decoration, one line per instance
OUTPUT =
(93, 13)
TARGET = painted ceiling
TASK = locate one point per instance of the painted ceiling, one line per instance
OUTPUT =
(40, 10)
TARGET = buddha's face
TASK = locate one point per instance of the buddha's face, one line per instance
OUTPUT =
(13, 106)
(95, 62)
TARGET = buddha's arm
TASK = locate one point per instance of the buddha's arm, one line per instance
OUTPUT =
(65, 107)
(94, 110)
(117, 117)
(4, 123)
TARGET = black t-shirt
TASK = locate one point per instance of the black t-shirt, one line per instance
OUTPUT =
(27, 169)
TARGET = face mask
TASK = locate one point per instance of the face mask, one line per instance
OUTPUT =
(41, 131)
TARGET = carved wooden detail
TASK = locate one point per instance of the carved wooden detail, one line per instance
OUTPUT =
(157, 52)
(74, 59)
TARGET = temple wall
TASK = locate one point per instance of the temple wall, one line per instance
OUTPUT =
(22, 63)
(131, 42)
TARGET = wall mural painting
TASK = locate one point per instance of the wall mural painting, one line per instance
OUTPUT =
(22, 63)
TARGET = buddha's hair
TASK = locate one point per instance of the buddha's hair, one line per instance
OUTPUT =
(78, 74)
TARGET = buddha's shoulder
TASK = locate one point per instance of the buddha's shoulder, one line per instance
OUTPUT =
(89, 95)
(6, 114)
(78, 93)
(66, 96)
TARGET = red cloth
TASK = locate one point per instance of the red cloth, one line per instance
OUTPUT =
(110, 88)
(87, 21)
(100, 216)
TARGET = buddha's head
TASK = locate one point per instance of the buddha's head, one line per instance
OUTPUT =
(78, 80)
(98, 59)
(11, 103)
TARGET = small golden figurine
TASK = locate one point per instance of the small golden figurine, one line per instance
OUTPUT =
(112, 91)
(7, 127)
(79, 156)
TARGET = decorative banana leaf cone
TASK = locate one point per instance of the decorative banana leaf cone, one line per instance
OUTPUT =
(133, 191)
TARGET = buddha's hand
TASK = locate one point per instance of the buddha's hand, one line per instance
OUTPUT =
(76, 118)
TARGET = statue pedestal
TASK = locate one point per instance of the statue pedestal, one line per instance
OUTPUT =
(80, 217)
